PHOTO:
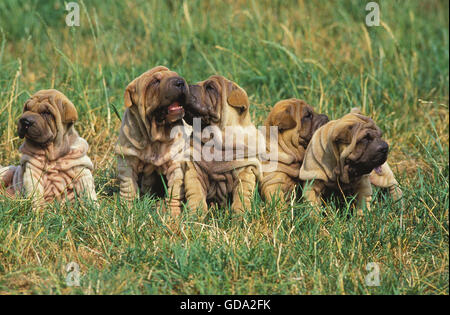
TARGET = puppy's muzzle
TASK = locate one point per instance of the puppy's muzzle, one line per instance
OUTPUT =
(179, 84)
(176, 88)
(195, 107)
(383, 147)
(24, 124)
(175, 91)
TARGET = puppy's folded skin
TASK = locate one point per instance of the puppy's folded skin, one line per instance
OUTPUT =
(216, 180)
(341, 155)
(146, 158)
(296, 121)
(57, 169)
(223, 105)
(147, 147)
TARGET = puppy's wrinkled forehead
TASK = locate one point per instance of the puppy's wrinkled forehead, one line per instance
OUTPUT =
(221, 87)
(151, 77)
(354, 126)
(290, 113)
(45, 98)
(214, 83)
(149, 81)
(52, 101)
(295, 106)
(218, 83)
(365, 122)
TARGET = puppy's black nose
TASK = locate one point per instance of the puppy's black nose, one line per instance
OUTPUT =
(383, 148)
(26, 123)
(179, 83)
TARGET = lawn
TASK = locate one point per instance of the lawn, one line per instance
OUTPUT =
(319, 51)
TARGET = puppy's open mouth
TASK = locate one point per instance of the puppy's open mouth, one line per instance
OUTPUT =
(170, 113)
(175, 107)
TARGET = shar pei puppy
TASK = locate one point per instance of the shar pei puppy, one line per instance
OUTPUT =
(222, 168)
(296, 121)
(147, 147)
(54, 164)
(345, 156)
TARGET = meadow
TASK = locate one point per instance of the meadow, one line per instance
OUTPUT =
(319, 51)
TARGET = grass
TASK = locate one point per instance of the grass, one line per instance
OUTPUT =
(320, 51)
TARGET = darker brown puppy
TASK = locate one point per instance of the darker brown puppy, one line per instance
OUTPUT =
(296, 121)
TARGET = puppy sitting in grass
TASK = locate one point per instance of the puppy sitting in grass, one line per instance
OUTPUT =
(221, 172)
(54, 163)
(296, 121)
(340, 158)
(146, 147)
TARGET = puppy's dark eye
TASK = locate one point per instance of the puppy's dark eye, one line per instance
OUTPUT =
(46, 113)
(367, 138)
(210, 87)
(308, 115)
(155, 81)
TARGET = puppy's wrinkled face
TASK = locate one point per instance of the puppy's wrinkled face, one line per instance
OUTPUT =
(46, 114)
(158, 93)
(364, 145)
(217, 100)
(295, 119)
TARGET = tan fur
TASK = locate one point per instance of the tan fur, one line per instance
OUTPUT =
(215, 180)
(62, 168)
(294, 133)
(325, 157)
(386, 179)
(144, 147)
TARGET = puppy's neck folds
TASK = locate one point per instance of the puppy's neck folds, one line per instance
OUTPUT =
(58, 148)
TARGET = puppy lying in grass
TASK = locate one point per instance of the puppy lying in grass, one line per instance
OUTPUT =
(340, 158)
(54, 163)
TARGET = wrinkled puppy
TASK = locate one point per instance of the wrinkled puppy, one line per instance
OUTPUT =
(147, 148)
(296, 121)
(340, 157)
(224, 167)
(54, 163)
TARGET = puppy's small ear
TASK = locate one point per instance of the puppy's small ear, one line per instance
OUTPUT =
(25, 106)
(284, 120)
(128, 99)
(70, 114)
(238, 98)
